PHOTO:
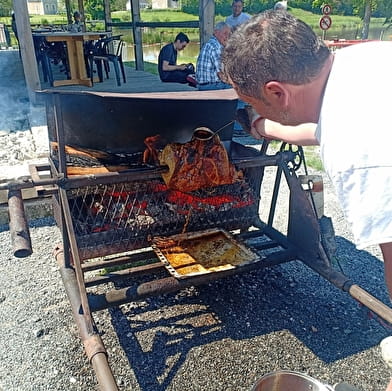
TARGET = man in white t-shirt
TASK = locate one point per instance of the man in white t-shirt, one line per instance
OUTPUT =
(338, 101)
(237, 17)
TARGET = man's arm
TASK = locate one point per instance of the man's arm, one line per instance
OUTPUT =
(259, 127)
(167, 67)
(303, 134)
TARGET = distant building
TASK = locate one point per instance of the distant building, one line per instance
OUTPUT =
(163, 4)
(42, 7)
(142, 4)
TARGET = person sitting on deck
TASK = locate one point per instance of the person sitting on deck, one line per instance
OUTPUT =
(169, 71)
(76, 26)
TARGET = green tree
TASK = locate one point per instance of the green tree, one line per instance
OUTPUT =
(118, 5)
(6, 7)
(344, 7)
(94, 8)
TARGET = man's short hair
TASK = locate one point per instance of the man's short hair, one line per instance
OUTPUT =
(272, 46)
(220, 26)
(182, 38)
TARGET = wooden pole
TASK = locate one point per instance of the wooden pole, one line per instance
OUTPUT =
(207, 20)
(69, 11)
(137, 35)
(82, 17)
(108, 16)
(26, 45)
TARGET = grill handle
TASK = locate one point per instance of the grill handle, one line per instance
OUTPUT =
(19, 229)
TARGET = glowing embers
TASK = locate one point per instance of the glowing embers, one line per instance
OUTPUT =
(152, 208)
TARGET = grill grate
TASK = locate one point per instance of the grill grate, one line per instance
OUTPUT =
(120, 217)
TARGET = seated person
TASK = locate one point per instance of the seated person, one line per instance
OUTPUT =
(208, 66)
(76, 26)
(168, 69)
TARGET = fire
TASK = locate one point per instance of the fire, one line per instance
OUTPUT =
(127, 208)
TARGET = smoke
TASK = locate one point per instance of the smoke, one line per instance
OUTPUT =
(14, 100)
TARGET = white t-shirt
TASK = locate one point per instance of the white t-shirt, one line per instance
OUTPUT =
(234, 21)
(355, 133)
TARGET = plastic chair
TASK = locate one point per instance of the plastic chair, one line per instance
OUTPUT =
(106, 51)
(48, 53)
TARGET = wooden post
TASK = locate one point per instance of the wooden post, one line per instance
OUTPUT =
(82, 17)
(137, 35)
(69, 11)
(207, 19)
(26, 45)
(108, 16)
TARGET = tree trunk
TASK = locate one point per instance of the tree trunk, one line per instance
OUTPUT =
(366, 19)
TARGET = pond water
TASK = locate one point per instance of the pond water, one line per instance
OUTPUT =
(151, 52)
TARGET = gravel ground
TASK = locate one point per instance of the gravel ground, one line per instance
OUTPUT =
(220, 336)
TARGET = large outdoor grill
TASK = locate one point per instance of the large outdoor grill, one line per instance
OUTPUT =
(115, 206)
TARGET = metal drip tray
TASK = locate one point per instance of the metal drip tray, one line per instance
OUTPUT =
(196, 253)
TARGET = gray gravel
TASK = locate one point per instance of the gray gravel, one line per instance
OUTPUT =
(217, 337)
(221, 336)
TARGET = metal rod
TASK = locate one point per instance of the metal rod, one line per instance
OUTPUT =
(275, 194)
(126, 273)
(121, 260)
(29, 183)
(75, 257)
(19, 229)
(59, 127)
(94, 347)
(164, 285)
(133, 175)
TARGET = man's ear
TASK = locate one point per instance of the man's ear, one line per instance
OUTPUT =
(276, 93)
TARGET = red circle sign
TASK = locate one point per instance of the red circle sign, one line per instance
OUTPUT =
(325, 22)
(327, 9)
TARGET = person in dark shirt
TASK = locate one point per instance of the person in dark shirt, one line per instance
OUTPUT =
(168, 69)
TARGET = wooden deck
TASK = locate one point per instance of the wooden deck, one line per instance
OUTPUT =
(136, 81)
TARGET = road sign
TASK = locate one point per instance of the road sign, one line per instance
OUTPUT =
(325, 22)
(327, 9)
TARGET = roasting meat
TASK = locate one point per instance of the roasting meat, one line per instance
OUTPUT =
(197, 164)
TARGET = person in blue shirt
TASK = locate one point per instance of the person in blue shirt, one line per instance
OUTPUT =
(168, 69)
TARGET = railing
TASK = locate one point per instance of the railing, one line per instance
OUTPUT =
(190, 23)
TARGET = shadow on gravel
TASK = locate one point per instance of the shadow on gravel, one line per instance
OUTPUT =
(36, 223)
(157, 334)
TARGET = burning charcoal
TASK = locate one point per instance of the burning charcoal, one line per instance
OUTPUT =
(99, 222)
(98, 208)
(144, 220)
(118, 210)
(171, 207)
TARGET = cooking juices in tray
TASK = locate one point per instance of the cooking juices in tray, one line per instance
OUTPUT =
(196, 253)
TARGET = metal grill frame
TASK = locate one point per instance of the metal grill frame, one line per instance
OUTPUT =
(144, 273)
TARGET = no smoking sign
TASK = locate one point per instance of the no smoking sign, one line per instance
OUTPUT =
(325, 22)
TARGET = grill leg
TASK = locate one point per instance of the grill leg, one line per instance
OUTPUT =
(94, 347)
